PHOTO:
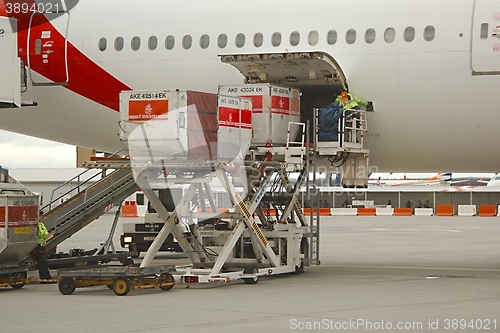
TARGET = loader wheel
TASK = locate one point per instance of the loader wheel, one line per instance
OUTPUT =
(251, 270)
(67, 285)
(128, 262)
(121, 286)
(17, 286)
(166, 278)
(22, 276)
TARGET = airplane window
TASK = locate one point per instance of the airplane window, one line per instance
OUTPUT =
(370, 35)
(169, 42)
(187, 41)
(409, 34)
(350, 36)
(103, 44)
(119, 43)
(294, 38)
(389, 35)
(484, 30)
(276, 39)
(429, 33)
(222, 41)
(258, 39)
(331, 37)
(313, 38)
(240, 40)
(135, 43)
(204, 41)
(152, 43)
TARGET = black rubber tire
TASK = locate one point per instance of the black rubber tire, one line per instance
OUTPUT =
(165, 278)
(17, 286)
(128, 262)
(67, 285)
(133, 248)
(23, 276)
(251, 270)
(121, 286)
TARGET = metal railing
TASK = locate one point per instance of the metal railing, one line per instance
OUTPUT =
(79, 185)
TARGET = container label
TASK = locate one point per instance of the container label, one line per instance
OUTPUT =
(144, 110)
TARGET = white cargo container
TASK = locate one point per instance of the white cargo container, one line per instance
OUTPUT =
(273, 108)
(235, 127)
(18, 224)
(169, 124)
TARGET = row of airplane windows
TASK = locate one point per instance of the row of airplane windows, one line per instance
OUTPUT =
(276, 39)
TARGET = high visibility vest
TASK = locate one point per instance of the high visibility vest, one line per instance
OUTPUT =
(352, 102)
(43, 233)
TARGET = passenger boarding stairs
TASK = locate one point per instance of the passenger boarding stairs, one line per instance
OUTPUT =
(88, 204)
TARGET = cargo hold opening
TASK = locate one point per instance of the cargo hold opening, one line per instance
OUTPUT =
(317, 75)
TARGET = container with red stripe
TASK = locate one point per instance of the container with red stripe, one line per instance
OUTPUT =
(18, 225)
(235, 127)
(273, 108)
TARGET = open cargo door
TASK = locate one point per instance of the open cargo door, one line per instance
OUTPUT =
(10, 64)
(316, 74)
(300, 70)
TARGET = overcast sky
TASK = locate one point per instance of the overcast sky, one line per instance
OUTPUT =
(20, 151)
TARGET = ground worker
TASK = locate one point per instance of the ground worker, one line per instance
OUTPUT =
(349, 101)
(40, 252)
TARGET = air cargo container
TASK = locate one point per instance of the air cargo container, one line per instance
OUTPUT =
(169, 124)
(273, 108)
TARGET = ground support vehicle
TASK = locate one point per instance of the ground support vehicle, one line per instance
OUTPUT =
(119, 279)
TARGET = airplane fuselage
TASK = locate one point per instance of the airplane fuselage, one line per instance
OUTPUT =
(431, 68)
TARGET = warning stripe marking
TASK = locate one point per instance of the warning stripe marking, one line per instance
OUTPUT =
(259, 233)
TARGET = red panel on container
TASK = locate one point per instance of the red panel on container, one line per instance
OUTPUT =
(257, 103)
(246, 119)
(145, 110)
(23, 216)
(2, 217)
(280, 105)
(202, 126)
(229, 117)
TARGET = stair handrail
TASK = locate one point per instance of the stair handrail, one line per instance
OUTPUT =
(77, 187)
(96, 196)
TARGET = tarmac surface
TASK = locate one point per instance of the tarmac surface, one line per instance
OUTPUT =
(377, 274)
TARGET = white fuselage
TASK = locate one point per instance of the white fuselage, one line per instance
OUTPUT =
(431, 112)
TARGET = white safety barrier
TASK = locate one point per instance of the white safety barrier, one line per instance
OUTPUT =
(466, 210)
(424, 212)
(385, 211)
(141, 210)
(344, 211)
(498, 210)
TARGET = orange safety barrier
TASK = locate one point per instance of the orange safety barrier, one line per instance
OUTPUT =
(129, 209)
(322, 211)
(367, 211)
(487, 210)
(269, 212)
(209, 210)
(403, 212)
(445, 210)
